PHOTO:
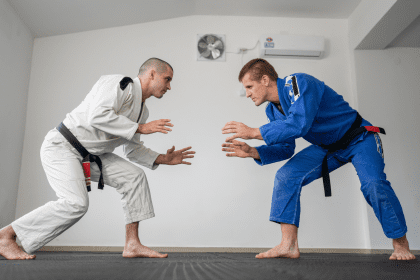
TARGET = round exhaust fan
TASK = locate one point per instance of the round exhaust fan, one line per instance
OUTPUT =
(211, 47)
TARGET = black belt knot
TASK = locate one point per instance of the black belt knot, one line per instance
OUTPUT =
(87, 157)
(355, 130)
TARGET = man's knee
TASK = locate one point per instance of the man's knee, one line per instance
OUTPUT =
(136, 178)
(284, 175)
(139, 175)
(78, 206)
(283, 182)
(374, 187)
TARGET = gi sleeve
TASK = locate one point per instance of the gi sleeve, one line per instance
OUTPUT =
(305, 94)
(136, 152)
(103, 110)
(275, 153)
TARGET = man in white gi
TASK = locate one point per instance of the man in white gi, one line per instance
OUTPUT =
(113, 114)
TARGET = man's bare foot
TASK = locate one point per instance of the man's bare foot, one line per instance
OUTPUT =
(401, 250)
(9, 248)
(137, 250)
(283, 250)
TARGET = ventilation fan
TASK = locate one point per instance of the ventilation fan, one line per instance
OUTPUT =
(211, 47)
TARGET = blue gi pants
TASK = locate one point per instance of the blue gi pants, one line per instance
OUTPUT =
(366, 156)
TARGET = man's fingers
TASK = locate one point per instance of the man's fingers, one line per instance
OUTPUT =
(231, 155)
(228, 124)
(188, 153)
(228, 149)
(238, 143)
(228, 145)
(185, 149)
(229, 139)
(171, 149)
(186, 162)
(187, 157)
(230, 130)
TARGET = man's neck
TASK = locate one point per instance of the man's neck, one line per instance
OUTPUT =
(144, 93)
(273, 93)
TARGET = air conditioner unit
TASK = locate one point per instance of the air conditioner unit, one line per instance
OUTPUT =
(276, 45)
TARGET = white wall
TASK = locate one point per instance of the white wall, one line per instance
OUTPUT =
(388, 85)
(15, 62)
(218, 201)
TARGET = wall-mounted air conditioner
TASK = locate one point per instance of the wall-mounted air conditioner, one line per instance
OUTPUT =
(276, 45)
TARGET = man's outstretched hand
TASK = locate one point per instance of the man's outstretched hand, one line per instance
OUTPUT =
(241, 131)
(155, 126)
(240, 149)
(173, 157)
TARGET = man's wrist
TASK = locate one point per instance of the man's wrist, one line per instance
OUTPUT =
(254, 153)
(256, 134)
(161, 159)
(139, 128)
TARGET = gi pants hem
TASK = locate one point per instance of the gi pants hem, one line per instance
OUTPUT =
(140, 218)
(279, 221)
(27, 245)
(397, 234)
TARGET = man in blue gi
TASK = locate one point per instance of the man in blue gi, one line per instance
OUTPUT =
(302, 106)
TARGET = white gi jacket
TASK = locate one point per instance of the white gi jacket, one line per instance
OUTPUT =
(109, 117)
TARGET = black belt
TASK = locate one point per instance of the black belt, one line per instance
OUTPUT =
(87, 157)
(342, 144)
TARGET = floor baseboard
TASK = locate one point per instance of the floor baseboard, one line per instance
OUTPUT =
(119, 249)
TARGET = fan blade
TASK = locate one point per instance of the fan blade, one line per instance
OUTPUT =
(218, 44)
(210, 39)
(202, 45)
(206, 53)
(215, 53)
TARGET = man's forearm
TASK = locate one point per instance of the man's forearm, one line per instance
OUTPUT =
(256, 134)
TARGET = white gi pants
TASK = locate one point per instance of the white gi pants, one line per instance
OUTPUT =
(62, 165)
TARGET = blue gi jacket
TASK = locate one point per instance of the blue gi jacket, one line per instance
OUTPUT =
(312, 110)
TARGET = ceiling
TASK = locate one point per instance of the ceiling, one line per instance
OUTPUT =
(52, 17)
(56, 17)
(410, 37)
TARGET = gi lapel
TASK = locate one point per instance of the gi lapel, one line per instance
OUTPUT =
(137, 101)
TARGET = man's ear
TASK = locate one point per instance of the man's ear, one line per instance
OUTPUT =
(265, 80)
(152, 74)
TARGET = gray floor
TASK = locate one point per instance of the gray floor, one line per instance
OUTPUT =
(201, 266)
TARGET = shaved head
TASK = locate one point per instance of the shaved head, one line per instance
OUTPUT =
(157, 64)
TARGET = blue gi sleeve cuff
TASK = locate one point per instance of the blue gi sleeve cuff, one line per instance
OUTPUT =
(264, 130)
(260, 150)
(275, 153)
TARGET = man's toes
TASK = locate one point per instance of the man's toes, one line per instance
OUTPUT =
(260, 256)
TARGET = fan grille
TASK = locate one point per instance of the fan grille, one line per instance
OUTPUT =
(210, 47)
